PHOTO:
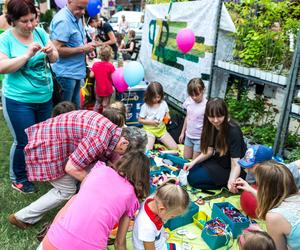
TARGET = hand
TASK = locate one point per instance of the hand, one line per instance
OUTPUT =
(48, 50)
(88, 47)
(181, 138)
(188, 166)
(231, 185)
(156, 123)
(32, 49)
(243, 185)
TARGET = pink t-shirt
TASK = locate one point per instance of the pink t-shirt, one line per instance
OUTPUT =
(195, 116)
(103, 199)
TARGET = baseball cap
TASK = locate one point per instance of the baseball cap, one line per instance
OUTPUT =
(256, 154)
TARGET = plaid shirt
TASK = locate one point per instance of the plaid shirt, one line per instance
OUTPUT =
(80, 136)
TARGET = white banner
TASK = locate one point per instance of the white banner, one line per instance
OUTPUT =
(162, 60)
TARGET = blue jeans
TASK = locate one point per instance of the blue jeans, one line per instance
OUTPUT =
(19, 116)
(70, 90)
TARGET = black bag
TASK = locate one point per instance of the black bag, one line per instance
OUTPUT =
(175, 125)
(57, 88)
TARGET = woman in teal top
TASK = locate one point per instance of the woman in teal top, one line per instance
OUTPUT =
(278, 201)
(27, 86)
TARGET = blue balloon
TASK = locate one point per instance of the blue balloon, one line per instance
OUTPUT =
(133, 73)
(93, 7)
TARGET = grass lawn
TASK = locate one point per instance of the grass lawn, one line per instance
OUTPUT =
(12, 238)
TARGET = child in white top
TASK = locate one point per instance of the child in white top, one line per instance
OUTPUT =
(192, 128)
(154, 115)
(170, 200)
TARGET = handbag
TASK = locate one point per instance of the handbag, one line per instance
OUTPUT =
(57, 88)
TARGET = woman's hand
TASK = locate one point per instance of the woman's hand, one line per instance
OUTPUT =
(231, 185)
(48, 50)
(33, 48)
(188, 166)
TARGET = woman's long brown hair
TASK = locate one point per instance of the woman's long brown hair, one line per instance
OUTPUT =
(215, 107)
(134, 166)
(275, 183)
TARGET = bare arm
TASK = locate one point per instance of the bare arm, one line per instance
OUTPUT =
(234, 174)
(130, 49)
(120, 242)
(92, 74)
(112, 39)
(148, 122)
(78, 174)
(182, 134)
(199, 158)
(277, 228)
(65, 51)
(10, 65)
(149, 245)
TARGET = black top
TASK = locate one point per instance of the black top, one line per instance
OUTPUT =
(103, 35)
(127, 46)
(218, 167)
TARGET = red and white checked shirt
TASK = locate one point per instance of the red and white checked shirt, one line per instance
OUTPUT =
(81, 136)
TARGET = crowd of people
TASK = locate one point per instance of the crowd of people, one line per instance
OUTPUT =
(67, 146)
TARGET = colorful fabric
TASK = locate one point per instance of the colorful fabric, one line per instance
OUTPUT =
(103, 199)
(103, 71)
(32, 83)
(194, 116)
(81, 136)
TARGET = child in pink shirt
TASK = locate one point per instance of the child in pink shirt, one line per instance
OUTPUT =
(195, 106)
(107, 196)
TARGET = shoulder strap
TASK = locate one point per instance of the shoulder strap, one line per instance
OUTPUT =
(44, 44)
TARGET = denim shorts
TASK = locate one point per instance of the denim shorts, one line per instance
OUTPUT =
(192, 143)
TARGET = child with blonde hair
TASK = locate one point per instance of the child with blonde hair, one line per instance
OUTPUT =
(192, 128)
(107, 196)
(102, 71)
(154, 114)
(278, 201)
(120, 106)
(170, 200)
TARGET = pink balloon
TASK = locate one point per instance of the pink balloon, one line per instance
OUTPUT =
(118, 80)
(60, 3)
(185, 40)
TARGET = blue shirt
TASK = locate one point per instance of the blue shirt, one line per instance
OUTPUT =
(66, 28)
(32, 83)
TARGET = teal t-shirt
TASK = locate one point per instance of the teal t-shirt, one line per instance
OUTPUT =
(32, 83)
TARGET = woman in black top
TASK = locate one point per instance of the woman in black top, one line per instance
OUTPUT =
(130, 45)
(106, 36)
(222, 145)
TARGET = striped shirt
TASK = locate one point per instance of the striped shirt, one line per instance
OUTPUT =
(82, 137)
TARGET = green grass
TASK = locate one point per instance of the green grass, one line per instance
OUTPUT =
(12, 238)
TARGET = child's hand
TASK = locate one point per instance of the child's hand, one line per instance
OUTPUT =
(156, 123)
(242, 184)
(181, 138)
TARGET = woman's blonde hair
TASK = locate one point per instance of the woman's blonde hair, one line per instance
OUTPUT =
(275, 183)
(105, 53)
(134, 166)
(172, 196)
